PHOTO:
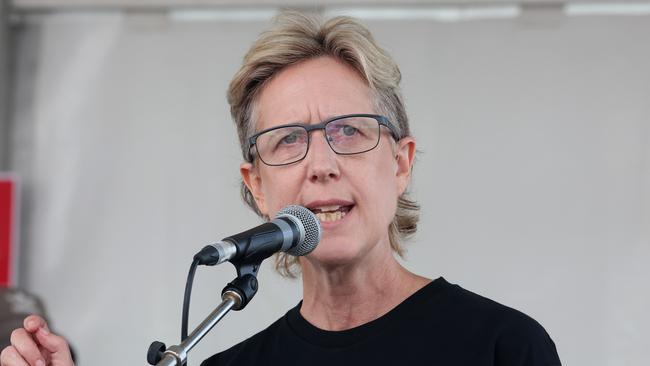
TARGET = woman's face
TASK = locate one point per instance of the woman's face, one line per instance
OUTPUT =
(364, 187)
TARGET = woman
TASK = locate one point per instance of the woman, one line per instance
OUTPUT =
(322, 124)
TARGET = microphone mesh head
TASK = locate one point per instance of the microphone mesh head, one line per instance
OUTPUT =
(311, 226)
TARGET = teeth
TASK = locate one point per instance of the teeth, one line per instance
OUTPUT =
(329, 208)
(330, 216)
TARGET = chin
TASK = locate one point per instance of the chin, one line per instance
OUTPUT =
(334, 255)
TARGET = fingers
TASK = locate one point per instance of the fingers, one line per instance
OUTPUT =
(24, 344)
(34, 345)
(11, 357)
(33, 322)
(56, 345)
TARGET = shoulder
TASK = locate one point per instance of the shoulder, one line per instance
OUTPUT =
(516, 338)
(471, 304)
(480, 308)
(243, 352)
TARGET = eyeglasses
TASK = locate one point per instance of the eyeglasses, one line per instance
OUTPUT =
(346, 135)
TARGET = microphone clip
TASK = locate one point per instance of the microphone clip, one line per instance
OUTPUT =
(245, 285)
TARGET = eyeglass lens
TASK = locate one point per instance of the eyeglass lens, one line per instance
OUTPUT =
(289, 144)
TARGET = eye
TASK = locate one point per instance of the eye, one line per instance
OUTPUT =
(291, 138)
(349, 130)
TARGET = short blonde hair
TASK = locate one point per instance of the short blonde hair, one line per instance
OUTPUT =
(296, 37)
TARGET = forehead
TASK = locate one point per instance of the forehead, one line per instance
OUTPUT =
(312, 91)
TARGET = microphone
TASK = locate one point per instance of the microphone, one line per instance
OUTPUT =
(295, 230)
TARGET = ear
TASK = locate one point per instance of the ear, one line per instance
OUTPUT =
(405, 156)
(253, 182)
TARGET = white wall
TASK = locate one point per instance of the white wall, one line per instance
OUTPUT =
(4, 89)
(534, 173)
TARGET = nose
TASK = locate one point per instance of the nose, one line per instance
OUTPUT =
(322, 161)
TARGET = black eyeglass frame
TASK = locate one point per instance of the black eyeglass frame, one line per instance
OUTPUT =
(382, 120)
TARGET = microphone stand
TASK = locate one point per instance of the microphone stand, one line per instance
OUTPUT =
(235, 296)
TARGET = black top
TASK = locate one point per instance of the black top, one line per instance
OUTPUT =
(441, 324)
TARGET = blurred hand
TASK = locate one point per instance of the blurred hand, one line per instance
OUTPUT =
(34, 345)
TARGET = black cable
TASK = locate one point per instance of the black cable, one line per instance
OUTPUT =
(186, 299)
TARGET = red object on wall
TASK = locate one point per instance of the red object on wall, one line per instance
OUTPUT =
(7, 234)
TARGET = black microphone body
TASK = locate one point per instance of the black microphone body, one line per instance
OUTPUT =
(295, 230)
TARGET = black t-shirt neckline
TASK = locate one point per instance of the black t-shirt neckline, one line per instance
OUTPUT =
(346, 338)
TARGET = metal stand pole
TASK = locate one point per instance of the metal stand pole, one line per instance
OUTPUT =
(235, 296)
(177, 355)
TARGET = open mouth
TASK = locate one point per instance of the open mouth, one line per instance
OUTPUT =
(331, 213)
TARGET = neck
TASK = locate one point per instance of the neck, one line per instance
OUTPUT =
(345, 297)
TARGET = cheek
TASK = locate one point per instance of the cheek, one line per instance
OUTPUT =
(388, 202)
(379, 190)
(280, 190)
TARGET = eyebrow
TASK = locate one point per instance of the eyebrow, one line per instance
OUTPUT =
(299, 122)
